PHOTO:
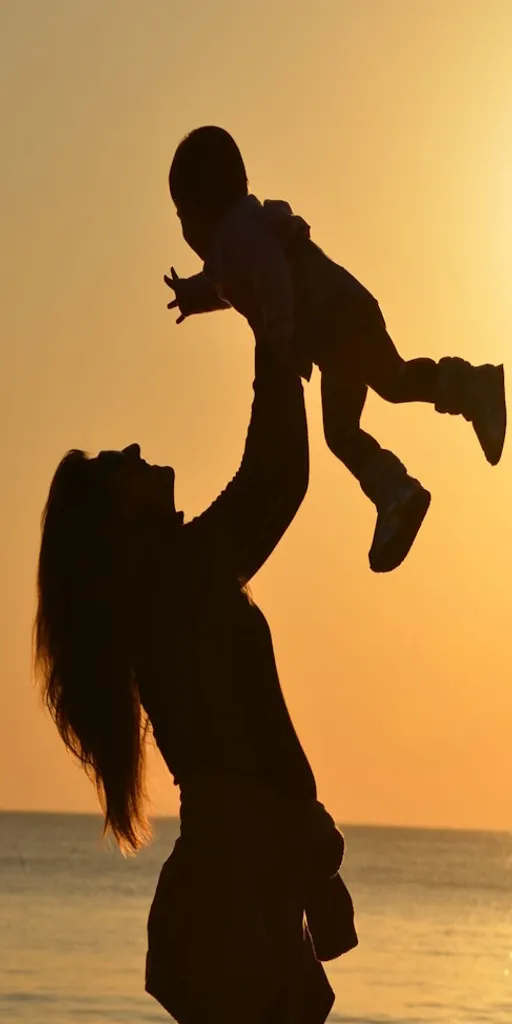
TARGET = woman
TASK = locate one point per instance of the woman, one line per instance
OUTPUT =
(143, 619)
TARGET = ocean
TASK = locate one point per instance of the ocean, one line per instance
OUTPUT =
(434, 915)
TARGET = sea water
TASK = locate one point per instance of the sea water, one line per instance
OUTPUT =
(434, 916)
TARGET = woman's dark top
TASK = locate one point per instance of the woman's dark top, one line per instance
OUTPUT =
(206, 668)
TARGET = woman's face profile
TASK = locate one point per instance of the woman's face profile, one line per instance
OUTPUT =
(141, 489)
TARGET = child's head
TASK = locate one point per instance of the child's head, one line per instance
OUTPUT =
(207, 177)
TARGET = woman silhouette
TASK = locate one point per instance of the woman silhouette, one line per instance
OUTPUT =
(144, 620)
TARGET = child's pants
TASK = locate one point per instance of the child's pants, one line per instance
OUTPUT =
(349, 364)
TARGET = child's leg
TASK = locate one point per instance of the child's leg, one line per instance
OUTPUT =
(401, 501)
(343, 398)
(394, 378)
(452, 385)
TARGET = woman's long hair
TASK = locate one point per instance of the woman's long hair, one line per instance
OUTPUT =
(82, 641)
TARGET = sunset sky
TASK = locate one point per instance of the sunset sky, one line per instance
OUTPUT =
(387, 125)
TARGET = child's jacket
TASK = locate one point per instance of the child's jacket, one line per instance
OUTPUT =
(263, 263)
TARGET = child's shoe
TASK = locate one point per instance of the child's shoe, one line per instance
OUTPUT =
(398, 522)
(402, 504)
(478, 394)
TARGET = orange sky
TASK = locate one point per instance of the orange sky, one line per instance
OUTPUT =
(386, 124)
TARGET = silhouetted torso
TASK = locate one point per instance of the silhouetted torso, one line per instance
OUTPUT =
(221, 709)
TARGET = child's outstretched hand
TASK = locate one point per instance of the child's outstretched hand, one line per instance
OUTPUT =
(194, 294)
(174, 282)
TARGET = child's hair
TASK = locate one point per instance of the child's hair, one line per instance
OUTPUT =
(207, 172)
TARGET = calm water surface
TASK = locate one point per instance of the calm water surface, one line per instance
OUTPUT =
(434, 913)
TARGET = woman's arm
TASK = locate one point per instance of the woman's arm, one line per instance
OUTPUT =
(251, 515)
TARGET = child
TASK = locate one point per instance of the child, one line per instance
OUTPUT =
(259, 259)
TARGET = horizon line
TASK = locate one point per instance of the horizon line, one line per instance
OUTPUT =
(345, 824)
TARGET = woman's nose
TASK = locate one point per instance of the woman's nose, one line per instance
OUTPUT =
(133, 451)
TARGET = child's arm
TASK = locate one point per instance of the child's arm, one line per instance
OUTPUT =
(193, 295)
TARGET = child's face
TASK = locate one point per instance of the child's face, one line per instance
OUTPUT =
(196, 231)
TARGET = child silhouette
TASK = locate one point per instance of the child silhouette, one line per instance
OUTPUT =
(259, 259)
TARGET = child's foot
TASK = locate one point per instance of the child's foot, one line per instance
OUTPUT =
(489, 410)
(478, 393)
(398, 521)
